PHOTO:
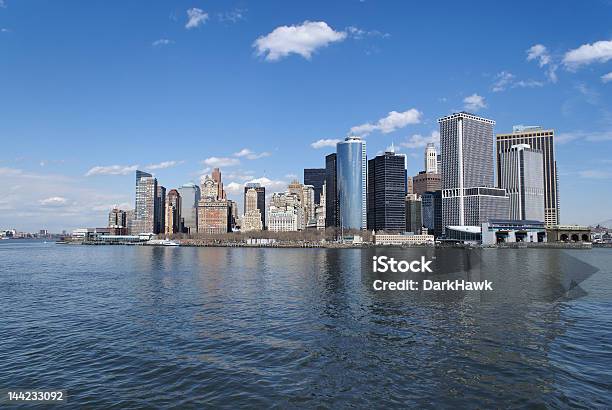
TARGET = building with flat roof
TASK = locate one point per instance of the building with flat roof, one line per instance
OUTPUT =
(351, 173)
(539, 139)
(386, 187)
(402, 239)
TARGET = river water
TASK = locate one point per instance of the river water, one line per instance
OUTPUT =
(133, 327)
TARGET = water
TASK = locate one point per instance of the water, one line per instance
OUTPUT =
(132, 327)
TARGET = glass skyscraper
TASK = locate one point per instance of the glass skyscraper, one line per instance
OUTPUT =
(351, 172)
(386, 193)
(144, 210)
(331, 192)
(190, 194)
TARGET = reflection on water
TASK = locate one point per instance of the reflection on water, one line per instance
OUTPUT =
(152, 326)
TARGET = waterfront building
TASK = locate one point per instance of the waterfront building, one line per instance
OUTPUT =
(251, 220)
(316, 178)
(173, 212)
(431, 159)
(190, 197)
(160, 209)
(407, 238)
(568, 233)
(261, 199)
(426, 181)
(522, 176)
(386, 187)
(414, 216)
(286, 219)
(351, 173)
(117, 218)
(146, 197)
(213, 216)
(542, 140)
(468, 195)
(508, 231)
(332, 209)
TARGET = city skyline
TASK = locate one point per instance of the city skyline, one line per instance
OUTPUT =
(79, 123)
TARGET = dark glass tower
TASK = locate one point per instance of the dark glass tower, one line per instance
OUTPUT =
(331, 200)
(316, 178)
(386, 193)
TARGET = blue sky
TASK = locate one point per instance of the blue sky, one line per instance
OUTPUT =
(91, 89)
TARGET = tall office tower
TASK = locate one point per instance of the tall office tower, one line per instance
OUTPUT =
(409, 185)
(414, 215)
(431, 159)
(425, 181)
(521, 173)
(251, 220)
(316, 178)
(190, 197)
(351, 171)
(261, 199)
(173, 212)
(130, 214)
(331, 192)
(386, 193)
(428, 211)
(308, 203)
(160, 208)
(468, 195)
(216, 176)
(146, 193)
(543, 140)
(209, 188)
(233, 213)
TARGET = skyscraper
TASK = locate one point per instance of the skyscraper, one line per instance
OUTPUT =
(351, 172)
(216, 176)
(386, 192)
(190, 196)
(425, 181)
(522, 175)
(331, 198)
(414, 215)
(160, 208)
(261, 200)
(214, 210)
(468, 195)
(431, 159)
(251, 220)
(145, 211)
(173, 212)
(316, 178)
(543, 140)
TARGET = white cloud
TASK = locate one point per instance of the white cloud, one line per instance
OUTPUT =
(53, 201)
(271, 185)
(595, 174)
(594, 136)
(216, 162)
(163, 165)
(420, 141)
(112, 170)
(358, 34)
(232, 16)
(248, 154)
(233, 187)
(2, 4)
(606, 78)
(393, 121)
(322, 143)
(540, 53)
(4, 30)
(195, 17)
(505, 80)
(162, 42)
(303, 39)
(474, 102)
(600, 51)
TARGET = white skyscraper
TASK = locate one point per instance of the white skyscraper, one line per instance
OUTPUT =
(522, 175)
(431, 159)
